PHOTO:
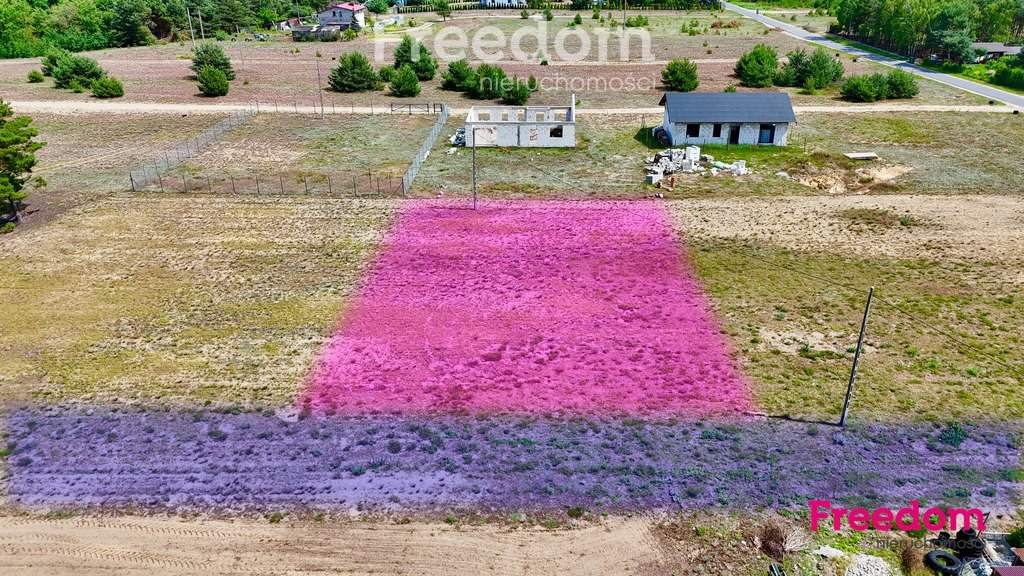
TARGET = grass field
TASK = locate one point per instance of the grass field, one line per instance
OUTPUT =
(89, 155)
(790, 278)
(179, 300)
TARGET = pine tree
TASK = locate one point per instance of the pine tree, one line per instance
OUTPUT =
(17, 156)
(210, 55)
(405, 84)
(353, 74)
(213, 82)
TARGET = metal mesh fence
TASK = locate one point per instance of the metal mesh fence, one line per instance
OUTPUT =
(146, 174)
(252, 183)
(158, 175)
(424, 150)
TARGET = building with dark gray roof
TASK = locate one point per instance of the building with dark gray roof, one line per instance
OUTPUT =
(696, 118)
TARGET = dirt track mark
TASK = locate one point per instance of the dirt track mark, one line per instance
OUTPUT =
(86, 552)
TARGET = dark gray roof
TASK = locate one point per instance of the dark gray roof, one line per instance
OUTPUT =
(684, 107)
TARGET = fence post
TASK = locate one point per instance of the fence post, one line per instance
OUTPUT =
(132, 179)
(160, 180)
(184, 184)
(281, 177)
(257, 184)
(305, 184)
(208, 185)
(233, 191)
(329, 191)
(354, 186)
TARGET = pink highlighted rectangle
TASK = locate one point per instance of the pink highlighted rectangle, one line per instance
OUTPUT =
(539, 307)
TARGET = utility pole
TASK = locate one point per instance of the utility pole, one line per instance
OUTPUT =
(856, 358)
(474, 168)
(202, 34)
(320, 83)
(191, 32)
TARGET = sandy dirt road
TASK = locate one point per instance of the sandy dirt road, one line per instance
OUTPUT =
(150, 545)
(66, 107)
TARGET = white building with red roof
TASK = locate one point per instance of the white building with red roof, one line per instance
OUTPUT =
(343, 15)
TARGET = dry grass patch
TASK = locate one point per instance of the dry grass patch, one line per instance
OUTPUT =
(170, 299)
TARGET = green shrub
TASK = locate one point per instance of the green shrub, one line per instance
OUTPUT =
(578, 19)
(212, 82)
(386, 73)
(490, 82)
(35, 76)
(405, 84)
(1016, 539)
(212, 56)
(953, 434)
(811, 72)
(349, 34)
(460, 76)
(516, 92)
(425, 66)
(895, 84)
(75, 87)
(757, 68)
(76, 71)
(901, 84)
(548, 15)
(108, 87)
(377, 6)
(860, 89)
(524, 14)
(637, 22)
(7, 228)
(730, 88)
(353, 74)
(52, 59)
(680, 76)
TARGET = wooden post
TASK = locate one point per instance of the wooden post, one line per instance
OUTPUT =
(329, 191)
(208, 185)
(856, 358)
(257, 184)
(233, 191)
(305, 184)
(131, 178)
(281, 177)
(184, 184)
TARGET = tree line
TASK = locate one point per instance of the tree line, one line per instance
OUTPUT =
(925, 27)
(34, 27)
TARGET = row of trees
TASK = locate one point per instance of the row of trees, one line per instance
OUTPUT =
(760, 68)
(32, 27)
(413, 63)
(926, 27)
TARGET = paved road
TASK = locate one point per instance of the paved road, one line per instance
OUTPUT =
(980, 89)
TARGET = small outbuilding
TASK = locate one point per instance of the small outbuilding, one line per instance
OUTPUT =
(698, 118)
(993, 50)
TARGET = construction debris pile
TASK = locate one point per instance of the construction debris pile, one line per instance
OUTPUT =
(688, 160)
